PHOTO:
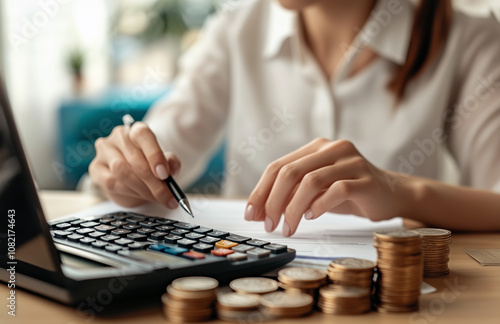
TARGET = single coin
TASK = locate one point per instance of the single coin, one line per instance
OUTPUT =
(353, 263)
(302, 274)
(195, 283)
(399, 233)
(433, 231)
(335, 291)
(254, 285)
(238, 301)
(280, 299)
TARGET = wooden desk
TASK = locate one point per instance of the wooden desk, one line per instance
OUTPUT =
(471, 293)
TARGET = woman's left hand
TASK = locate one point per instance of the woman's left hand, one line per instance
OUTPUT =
(326, 176)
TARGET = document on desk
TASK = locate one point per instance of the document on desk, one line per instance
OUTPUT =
(317, 241)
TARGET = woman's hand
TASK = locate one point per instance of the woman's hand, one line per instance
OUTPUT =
(129, 167)
(325, 176)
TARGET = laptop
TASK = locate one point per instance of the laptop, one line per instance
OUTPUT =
(115, 255)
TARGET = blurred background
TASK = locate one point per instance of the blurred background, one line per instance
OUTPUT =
(72, 68)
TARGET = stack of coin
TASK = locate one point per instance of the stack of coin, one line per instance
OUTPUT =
(352, 272)
(190, 299)
(254, 285)
(236, 307)
(400, 270)
(436, 249)
(346, 300)
(283, 304)
(302, 280)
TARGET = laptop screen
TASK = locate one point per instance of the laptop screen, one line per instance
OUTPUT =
(24, 236)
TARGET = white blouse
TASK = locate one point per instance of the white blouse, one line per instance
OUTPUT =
(252, 81)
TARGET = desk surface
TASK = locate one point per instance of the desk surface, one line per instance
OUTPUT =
(470, 293)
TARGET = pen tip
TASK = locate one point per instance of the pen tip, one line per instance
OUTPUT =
(185, 205)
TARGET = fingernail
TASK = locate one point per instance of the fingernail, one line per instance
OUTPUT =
(172, 203)
(286, 230)
(268, 225)
(161, 171)
(249, 213)
(308, 214)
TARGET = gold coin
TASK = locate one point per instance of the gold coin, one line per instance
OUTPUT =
(254, 285)
(353, 264)
(195, 283)
(234, 301)
(280, 299)
(302, 274)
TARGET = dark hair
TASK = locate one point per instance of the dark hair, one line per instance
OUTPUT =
(431, 24)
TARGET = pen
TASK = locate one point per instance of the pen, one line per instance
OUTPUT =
(170, 182)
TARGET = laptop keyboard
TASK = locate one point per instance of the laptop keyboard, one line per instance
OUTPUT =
(123, 232)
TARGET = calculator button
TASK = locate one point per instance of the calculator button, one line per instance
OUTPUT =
(135, 220)
(145, 231)
(120, 232)
(243, 248)
(276, 248)
(72, 229)
(223, 244)
(165, 221)
(202, 230)
(109, 238)
(136, 246)
(118, 223)
(237, 256)
(119, 216)
(77, 222)
(74, 237)
(192, 255)
(172, 239)
(258, 253)
(164, 228)
(175, 250)
(87, 240)
(106, 221)
(148, 224)
(202, 247)
(131, 227)
(209, 240)
(179, 232)
(194, 236)
(158, 247)
(222, 252)
(186, 243)
(99, 244)
(258, 243)
(63, 226)
(157, 236)
(102, 228)
(96, 234)
(89, 224)
(137, 237)
(219, 234)
(84, 231)
(186, 226)
(61, 234)
(237, 238)
(112, 248)
(123, 241)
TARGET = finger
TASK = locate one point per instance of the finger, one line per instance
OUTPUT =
(288, 178)
(314, 184)
(101, 175)
(339, 192)
(143, 138)
(121, 169)
(257, 199)
(174, 164)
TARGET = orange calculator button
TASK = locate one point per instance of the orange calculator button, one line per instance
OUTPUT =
(224, 244)
(221, 252)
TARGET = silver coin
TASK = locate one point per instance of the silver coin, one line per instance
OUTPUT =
(195, 283)
(433, 231)
(254, 285)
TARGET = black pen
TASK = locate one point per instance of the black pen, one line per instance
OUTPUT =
(170, 182)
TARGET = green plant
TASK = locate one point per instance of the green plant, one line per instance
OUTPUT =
(76, 60)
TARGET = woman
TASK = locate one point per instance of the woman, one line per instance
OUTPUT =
(336, 105)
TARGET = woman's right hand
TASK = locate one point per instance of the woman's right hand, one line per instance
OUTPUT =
(130, 165)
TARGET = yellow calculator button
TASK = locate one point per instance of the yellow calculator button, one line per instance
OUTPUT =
(224, 244)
